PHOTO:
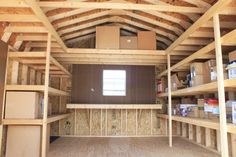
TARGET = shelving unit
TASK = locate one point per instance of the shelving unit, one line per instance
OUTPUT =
(44, 63)
(220, 86)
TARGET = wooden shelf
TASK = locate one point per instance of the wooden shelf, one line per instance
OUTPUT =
(22, 121)
(230, 85)
(35, 121)
(36, 88)
(37, 60)
(55, 118)
(114, 106)
(231, 128)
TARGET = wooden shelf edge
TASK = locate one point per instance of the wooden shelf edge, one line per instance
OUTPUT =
(231, 128)
(205, 88)
(36, 88)
(55, 118)
(114, 106)
(22, 121)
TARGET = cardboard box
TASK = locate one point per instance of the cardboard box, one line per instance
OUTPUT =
(146, 40)
(23, 141)
(24, 105)
(129, 42)
(198, 80)
(196, 68)
(232, 56)
(108, 37)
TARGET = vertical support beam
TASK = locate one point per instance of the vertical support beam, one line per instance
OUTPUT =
(151, 121)
(208, 137)
(106, 122)
(126, 122)
(45, 107)
(178, 125)
(169, 101)
(90, 121)
(221, 90)
(75, 129)
(190, 132)
(184, 130)
(218, 143)
(3, 81)
(136, 120)
(199, 134)
(101, 122)
(121, 123)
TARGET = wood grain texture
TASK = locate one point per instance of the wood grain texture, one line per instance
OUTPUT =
(126, 147)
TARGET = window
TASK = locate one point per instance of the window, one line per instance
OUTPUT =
(114, 82)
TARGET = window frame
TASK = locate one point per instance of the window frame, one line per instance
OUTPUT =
(103, 82)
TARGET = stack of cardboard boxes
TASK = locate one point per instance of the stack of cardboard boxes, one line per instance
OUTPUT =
(24, 105)
(108, 37)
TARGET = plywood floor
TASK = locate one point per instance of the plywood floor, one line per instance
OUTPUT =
(126, 147)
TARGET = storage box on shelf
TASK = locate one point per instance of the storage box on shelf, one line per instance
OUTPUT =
(108, 37)
(31, 135)
(146, 40)
(128, 42)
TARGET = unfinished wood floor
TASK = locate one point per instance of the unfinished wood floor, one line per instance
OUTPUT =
(126, 147)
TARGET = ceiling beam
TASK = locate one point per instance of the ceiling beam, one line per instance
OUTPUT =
(203, 19)
(40, 14)
(127, 6)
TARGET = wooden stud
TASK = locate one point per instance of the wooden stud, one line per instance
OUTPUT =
(169, 101)
(45, 108)
(221, 90)
(190, 132)
(198, 134)
(208, 137)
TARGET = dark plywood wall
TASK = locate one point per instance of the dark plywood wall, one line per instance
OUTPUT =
(3, 61)
(140, 84)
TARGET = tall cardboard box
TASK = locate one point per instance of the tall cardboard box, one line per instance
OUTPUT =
(129, 42)
(23, 105)
(146, 40)
(108, 37)
(23, 141)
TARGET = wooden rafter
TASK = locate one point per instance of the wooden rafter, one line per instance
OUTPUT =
(39, 13)
(128, 6)
(215, 8)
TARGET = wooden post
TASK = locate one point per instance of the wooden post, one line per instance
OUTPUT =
(45, 106)
(169, 101)
(3, 98)
(190, 132)
(208, 137)
(199, 134)
(101, 122)
(221, 90)
(184, 130)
